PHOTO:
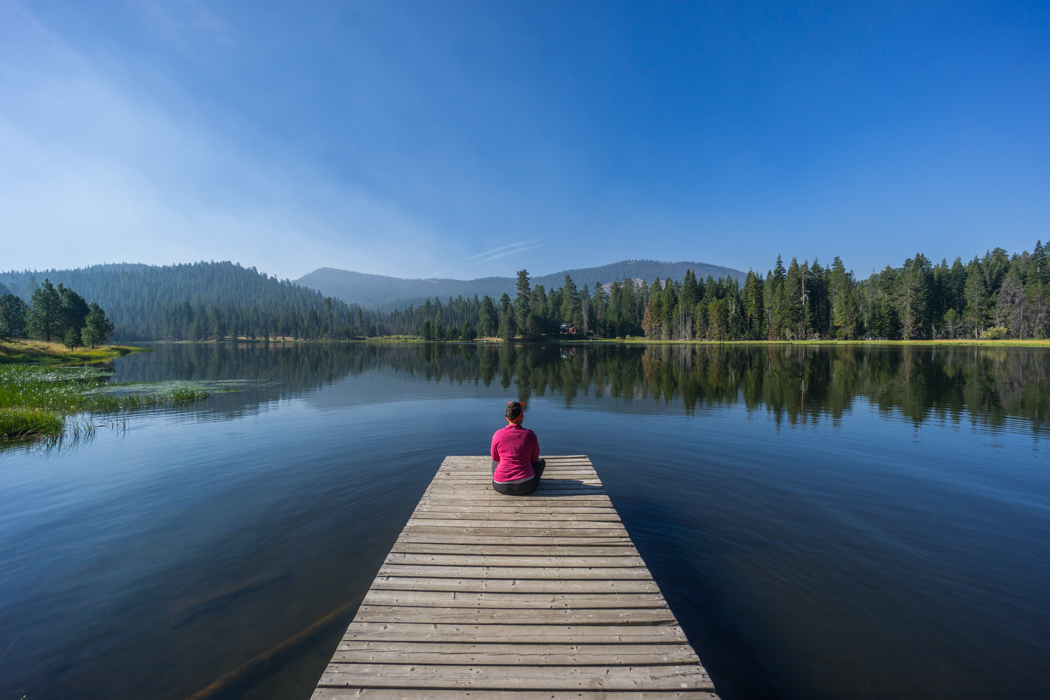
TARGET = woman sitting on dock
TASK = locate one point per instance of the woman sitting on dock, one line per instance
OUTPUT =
(516, 463)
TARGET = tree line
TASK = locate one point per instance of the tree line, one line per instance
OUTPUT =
(997, 295)
(53, 314)
(994, 296)
(206, 301)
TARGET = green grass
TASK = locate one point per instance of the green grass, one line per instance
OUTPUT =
(40, 352)
(19, 423)
(36, 400)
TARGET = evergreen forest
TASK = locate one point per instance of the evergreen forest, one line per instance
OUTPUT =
(204, 301)
(994, 296)
(54, 314)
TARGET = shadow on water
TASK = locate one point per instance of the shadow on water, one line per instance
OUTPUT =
(215, 601)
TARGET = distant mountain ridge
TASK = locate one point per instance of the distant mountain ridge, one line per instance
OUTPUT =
(386, 293)
(191, 301)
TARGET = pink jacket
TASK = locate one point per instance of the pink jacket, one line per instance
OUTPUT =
(516, 449)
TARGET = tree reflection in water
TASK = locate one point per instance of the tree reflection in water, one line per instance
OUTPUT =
(795, 383)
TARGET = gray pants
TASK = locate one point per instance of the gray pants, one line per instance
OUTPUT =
(522, 488)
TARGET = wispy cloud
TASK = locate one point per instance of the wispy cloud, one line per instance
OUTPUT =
(489, 255)
(183, 24)
(95, 172)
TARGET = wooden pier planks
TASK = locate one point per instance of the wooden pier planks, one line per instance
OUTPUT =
(514, 598)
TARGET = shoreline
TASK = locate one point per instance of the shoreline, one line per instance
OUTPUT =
(630, 340)
(41, 352)
(35, 378)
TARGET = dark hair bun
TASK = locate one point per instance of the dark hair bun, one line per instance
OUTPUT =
(514, 410)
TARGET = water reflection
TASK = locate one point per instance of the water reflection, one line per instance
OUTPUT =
(795, 384)
(222, 547)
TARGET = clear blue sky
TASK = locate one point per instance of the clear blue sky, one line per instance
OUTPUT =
(466, 139)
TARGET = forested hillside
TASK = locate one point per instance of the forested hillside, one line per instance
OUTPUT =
(390, 293)
(200, 301)
(997, 295)
(994, 296)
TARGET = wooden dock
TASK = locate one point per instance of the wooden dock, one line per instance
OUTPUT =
(491, 596)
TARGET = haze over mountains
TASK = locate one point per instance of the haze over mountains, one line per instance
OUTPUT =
(210, 299)
(386, 293)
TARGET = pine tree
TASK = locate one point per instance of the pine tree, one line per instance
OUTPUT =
(754, 312)
(975, 315)
(669, 304)
(690, 293)
(72, 338)
(45, 314)
(913, 298)
(843, 302)
(508, 326)
(586, 311)
(647, 319)
(791, 320)
(718, 320)
(1039, 261)
(97, 328)
(13, 317)
(656, 316)
(1012, 309)
(74, 310)
(487, 317)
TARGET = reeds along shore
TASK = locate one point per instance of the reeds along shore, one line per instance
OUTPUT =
(39, 389)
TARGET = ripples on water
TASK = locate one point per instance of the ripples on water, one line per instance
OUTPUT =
(825, 522)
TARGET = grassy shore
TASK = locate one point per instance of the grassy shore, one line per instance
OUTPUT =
(42, 352)
(41, 384)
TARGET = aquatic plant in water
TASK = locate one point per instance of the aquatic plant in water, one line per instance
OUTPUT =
(35, 400)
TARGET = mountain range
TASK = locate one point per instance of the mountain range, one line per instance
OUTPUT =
(386, 293)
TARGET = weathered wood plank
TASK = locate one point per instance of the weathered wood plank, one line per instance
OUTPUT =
(514, 654)
(398, 583)
(535, 500)
(522, 634)
(496, 514)
(477, 677)
(515, 559)
(510, 540)
(461, 694)
(547, 615)
(511, 507)
(514, 598)
(508, 601)
(494, 523)
(623, 550)
(549, 573)
(557, 495)
(510, 531)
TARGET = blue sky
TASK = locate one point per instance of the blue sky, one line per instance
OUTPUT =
(466, 139)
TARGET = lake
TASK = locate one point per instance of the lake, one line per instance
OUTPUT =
(824, 521)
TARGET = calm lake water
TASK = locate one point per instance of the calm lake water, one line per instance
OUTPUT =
(826, 522)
